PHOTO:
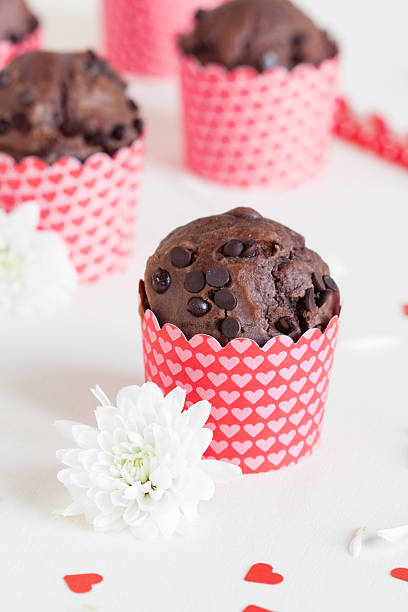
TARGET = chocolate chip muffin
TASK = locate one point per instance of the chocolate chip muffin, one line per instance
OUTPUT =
(239, 275)
(16, 21)
(257, 33)
(55, 105)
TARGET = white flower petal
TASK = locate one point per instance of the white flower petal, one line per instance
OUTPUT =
(166, 514)
(132, 515)
(356, 542)
(109, 522)
(79, 479)
(197, 486)
(395, 534)
(104, 502)
(100, 396)
(85, 436)
(161, 477)
(74, 509)
(220, 471)
(198, 414)
(65, 428)
(146, 530)
(174, 401)
(202, 440)
(70, 457)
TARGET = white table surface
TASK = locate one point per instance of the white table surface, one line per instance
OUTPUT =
(299, 519)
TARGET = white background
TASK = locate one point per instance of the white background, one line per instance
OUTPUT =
(299, 520)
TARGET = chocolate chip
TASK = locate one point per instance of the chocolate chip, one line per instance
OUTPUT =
(15, 38)
(161, 280)
(233, 248)
(318, 282)
(225, 299)
(295, 335)
(330, 283)
(198, 15)
(118, 131)
(4, 126)
(27, 98)
(284, 325)
(218, 276)
(5, 78)
(250, 249)
(33, 23)
(309, 299)
(244, 212)
(230, 327)
(268, 60)
(324, 297)
(138, 125)
(180, 257)
(21, 122)
(95, 139)
(70, 128)
(298, 39)
(195, 281)
(132, 105)
(198, 307)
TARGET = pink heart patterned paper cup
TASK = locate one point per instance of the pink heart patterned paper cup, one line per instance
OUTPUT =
(92, 204)
(9, 50)
(267, 402)
(140, 35)
(247, 128)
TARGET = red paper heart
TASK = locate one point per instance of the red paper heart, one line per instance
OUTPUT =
(405, 309)
(82, 583)
(255, 609)
(401, 573)
(263, 573)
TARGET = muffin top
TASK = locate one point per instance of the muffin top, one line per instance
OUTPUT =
(239, 275)
(55, 105)
(257, 33)
(16, 20)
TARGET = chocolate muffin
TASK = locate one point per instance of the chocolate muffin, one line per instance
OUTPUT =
(55, 105)
(239, 275)
(16, 21)
(257, 33)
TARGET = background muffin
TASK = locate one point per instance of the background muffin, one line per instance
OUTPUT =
(16, 21)
(239, 275)
(257, 33)
(54, 105)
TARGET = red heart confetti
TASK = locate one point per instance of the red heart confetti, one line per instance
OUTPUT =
(263, 573)
(82, 583)
(256, 609)
(401, 573)
(405, 309)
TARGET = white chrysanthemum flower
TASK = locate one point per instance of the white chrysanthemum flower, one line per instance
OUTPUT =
(142, 467)
(36, 274)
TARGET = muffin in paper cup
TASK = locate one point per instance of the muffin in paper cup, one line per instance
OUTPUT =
(140, 35)
(91, 204)
(9, 50)
(267, 402)
(247, 128)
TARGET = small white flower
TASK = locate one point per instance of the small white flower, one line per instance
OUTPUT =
(356, 542)
(35, 271)
(142, 467)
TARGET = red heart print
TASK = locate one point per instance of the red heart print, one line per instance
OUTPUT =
(263, 573)
(401, 573)
(255, 609)
(82, 583)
